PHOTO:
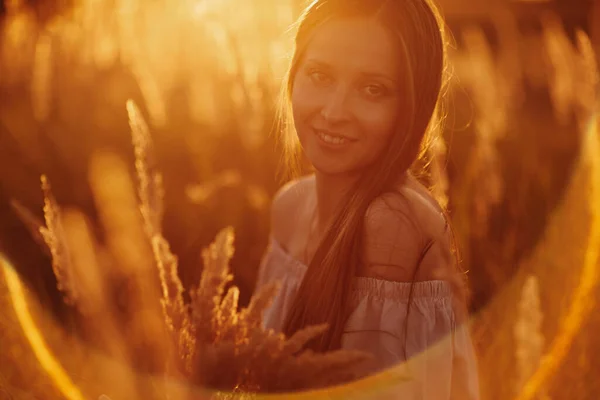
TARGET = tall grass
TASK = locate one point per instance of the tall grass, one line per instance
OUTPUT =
(207, 342)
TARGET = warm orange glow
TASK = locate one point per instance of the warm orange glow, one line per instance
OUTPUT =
(35, 337)
(199, 79)
(582, 303)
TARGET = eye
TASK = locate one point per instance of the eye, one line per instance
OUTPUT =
(375, 90)
(319, 77)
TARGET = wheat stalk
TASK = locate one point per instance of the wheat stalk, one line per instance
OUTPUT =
(528, 332)
(53, 235)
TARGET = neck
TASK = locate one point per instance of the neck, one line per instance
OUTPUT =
(330, 190)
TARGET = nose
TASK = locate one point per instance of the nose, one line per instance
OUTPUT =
(335, 107)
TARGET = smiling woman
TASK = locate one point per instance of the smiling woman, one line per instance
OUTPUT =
(360, 244)
(350, 71)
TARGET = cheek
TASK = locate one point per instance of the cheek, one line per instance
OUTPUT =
(303, 102)
(381, 122)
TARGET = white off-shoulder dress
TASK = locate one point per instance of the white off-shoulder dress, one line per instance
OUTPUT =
(441, 360)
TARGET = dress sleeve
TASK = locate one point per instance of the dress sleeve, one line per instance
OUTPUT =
(433, 351)
(262, 274)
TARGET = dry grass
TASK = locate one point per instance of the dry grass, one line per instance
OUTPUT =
(208, 342)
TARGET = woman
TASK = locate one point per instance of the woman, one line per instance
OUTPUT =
(360, 244)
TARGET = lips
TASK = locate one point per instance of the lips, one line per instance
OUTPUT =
(332, 138)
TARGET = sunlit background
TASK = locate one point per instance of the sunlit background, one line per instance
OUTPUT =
(518, 165)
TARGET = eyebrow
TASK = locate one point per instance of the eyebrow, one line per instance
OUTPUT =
(370, 74)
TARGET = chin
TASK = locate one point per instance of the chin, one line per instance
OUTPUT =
(330, 171)
(336, 169)
(327, 162)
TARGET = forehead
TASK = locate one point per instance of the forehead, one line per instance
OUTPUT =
(355, 44)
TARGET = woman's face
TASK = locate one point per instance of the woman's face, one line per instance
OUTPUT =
(346, 95)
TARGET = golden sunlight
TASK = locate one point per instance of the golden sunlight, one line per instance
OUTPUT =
(141, 154)
(36, 338)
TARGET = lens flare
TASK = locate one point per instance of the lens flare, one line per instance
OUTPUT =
(35, 337)
(581, 304)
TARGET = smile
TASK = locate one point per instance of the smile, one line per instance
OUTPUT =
(332, 139)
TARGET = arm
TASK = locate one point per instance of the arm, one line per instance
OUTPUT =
(283, 217)
(405, 241)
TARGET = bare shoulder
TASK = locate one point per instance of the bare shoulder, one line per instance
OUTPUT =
(287, 205)
(427, 211)
(405, 229)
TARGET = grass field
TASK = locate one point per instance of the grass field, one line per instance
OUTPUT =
(169, 108)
